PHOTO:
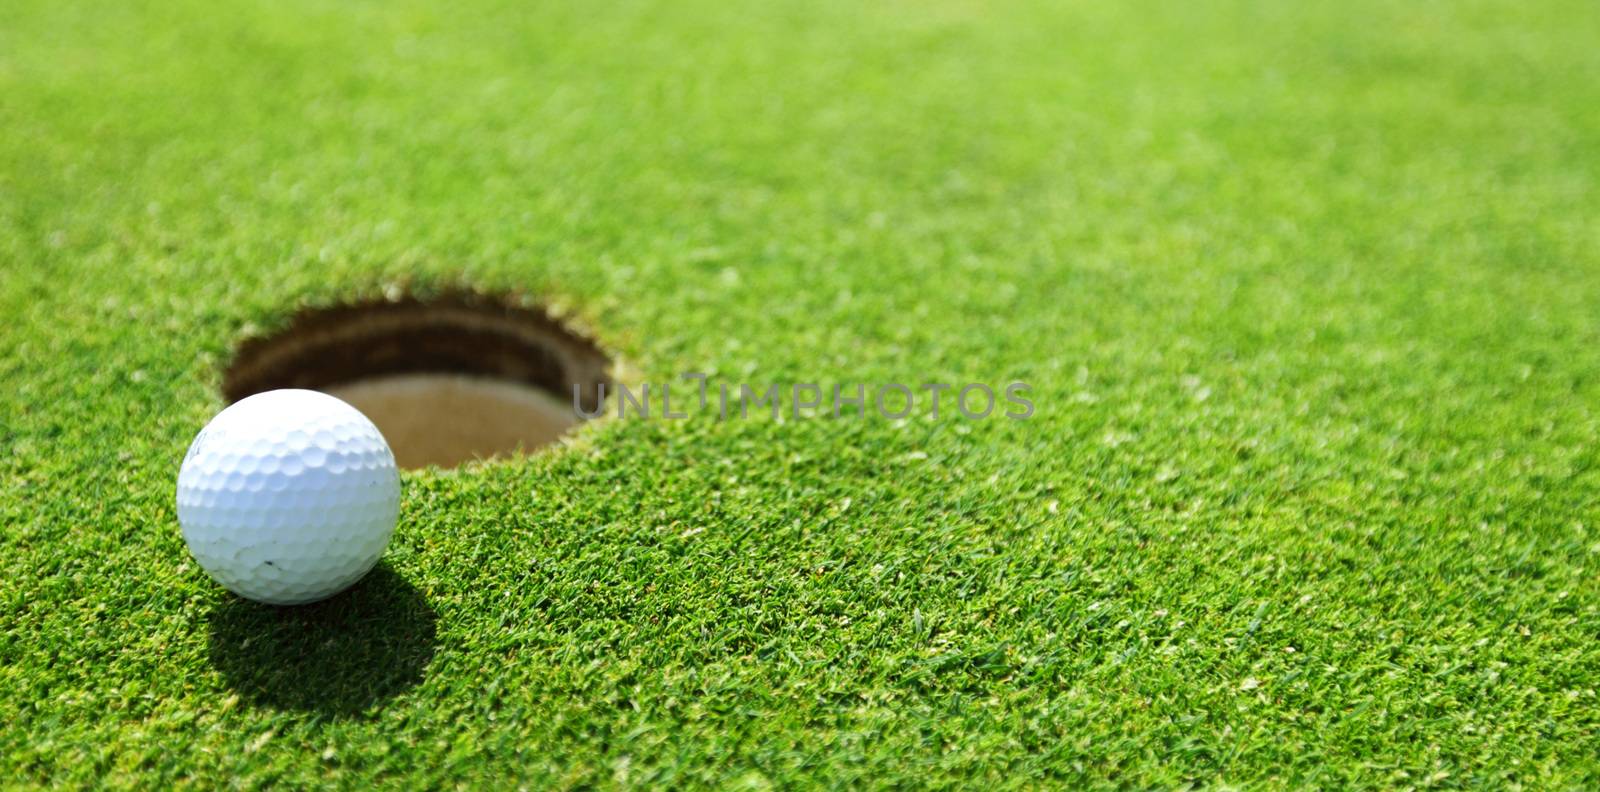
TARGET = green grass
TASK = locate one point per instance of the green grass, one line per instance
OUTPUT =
(1309, 295)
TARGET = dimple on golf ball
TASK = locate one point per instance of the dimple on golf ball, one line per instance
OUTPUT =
(288, 496)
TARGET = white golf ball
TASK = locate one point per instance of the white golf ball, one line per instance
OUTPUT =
(288, 496)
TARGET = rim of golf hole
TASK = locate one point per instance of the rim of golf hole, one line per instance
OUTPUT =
(447, 379)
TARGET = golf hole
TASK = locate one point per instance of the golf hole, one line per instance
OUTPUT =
(446, 379)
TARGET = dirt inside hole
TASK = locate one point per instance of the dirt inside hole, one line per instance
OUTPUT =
(446, 379)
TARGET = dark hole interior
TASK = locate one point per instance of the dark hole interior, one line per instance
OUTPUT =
(447, 379)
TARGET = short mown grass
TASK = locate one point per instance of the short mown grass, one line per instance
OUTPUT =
(1308, 295)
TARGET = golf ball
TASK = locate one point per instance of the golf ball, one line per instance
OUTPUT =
(288, 496)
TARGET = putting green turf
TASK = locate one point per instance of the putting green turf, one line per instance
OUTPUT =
(1308, 294)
